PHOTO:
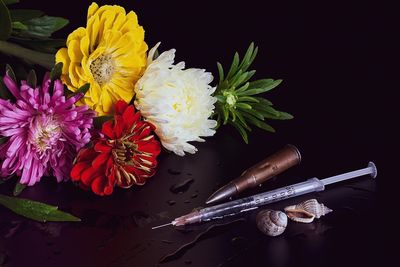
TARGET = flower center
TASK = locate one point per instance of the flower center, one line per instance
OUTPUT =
(44, 133)
(124, 151)
(102, 69)
(230, 98)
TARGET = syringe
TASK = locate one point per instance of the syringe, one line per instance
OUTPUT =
(253, 202)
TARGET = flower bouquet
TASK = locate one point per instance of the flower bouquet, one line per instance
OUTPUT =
(109, 103)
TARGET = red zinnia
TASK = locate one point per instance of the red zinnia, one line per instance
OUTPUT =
(125, 156)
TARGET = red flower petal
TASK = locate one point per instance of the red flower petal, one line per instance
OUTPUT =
(86, 154)
(88, 175)
(78, 169)
(152, 147)
(129, 116)
(107, 129)
(118, 126)
(108, 190)
(102, 146)
(100, 160)
(120, 107)
(99, 184)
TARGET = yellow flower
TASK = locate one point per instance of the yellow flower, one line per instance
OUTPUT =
(109, 54)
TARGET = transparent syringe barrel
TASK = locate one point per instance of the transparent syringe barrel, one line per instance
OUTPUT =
(243, 204)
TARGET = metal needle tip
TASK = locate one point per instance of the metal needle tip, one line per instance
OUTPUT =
(159, 226)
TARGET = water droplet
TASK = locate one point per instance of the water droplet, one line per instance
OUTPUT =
(188, 262)
(186, 201)
(171, 202)
(167, 241)
(189, 174)
(182, 186)
(174, 172)
(194, 195)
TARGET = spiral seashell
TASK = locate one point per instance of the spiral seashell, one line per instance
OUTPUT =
(307, 211)
(271, 222)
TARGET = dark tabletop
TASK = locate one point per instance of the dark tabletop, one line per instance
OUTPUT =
(334, 61)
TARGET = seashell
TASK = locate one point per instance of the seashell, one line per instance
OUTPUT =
(271, 222)
(306, 211)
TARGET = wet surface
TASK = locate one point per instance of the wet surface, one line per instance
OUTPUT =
(326, 58)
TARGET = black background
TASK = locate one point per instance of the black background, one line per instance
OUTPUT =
(336, 63)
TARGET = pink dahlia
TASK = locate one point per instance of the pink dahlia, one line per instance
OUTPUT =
(45, 131)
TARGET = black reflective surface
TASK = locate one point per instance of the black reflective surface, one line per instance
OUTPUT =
(336, 70)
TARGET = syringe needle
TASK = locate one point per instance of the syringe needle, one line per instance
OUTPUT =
(159, 226)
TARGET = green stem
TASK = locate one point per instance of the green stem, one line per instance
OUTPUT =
(42, 59)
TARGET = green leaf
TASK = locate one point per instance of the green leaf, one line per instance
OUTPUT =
(285, 116)
(9, 2)
(4, 93)
(243, 106)
(242, 132)
(98, 121)
(255, 52)
(265, 109)
(255, 113)
(266, 84)
(258, 123)
(233, 112)
(42, 27)
(249, 75)
(5, 22)
(225, 115)
(281, 116)
(247, 56)
(221, 98)
(43, 45)
(234, 66)
(243, 88)
(242, 121)
(37, 211)
(18, 26)
(253, 91)
(239, 78)
(67, 92)
(56, 72)
(3, 139)
(263, 101)
(220, 72)
(32, 79)
(18, 189)
(10, 73)
(21, 15)
(247, 99)
(83, 89)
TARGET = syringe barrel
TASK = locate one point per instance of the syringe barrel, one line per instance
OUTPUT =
(311, 185)
(243, 204)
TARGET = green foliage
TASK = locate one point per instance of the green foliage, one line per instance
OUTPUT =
(37, 211)
(32, 79)
(83, 89)
(5, 21)
(9, 2)
(18, 189)
(40, 27)
(238, 103)
(98, 121)
(56, 72)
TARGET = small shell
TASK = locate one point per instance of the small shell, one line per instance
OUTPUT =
(271, 222)
(306, 211)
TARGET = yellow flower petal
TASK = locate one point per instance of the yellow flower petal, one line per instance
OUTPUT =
(109, 54)
(62, 56)
(92, 9)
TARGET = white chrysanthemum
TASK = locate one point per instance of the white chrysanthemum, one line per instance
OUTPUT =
(178, 102)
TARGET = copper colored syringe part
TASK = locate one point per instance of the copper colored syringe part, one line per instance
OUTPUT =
(259, 173)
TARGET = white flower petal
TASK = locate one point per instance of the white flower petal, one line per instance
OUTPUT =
(178, 102)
